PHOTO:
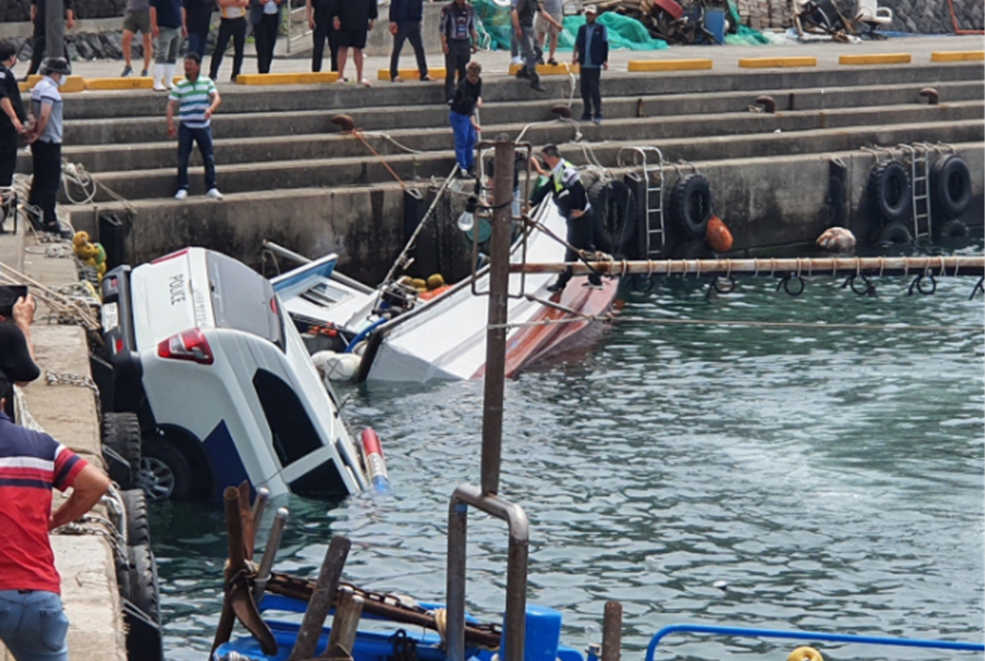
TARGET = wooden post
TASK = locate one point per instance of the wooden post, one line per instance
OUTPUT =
(237, 560)
(342, 639)
(321, 599)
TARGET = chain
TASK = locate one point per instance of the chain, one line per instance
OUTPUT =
(65, 379)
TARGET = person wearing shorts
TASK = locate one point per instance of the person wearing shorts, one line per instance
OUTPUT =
(550, 29)
(353, 21)
(137, 19)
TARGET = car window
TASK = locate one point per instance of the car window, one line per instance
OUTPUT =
(244, 300)
(294, 435)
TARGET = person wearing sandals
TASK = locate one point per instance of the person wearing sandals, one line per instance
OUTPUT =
(550, 29)
(459, 39)
(405, 25)
(353, 21)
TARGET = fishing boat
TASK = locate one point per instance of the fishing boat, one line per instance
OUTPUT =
(393, 333)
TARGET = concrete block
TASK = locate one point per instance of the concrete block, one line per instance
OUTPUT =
(438, 73)
(129, 83)
(669, 65)
(776, 62)
(958, 56)
(71, 85)
(876, 58)
(302, 78)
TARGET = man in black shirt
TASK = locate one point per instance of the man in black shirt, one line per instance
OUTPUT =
(16, 349)
(523, 23)
(468, 97)
(39, 45)
(197, 15)
(13, 116)
(353, 20)
(459, 39)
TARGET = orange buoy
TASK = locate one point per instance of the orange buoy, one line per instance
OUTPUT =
(717, 235)
(434, 293)
(805, 654)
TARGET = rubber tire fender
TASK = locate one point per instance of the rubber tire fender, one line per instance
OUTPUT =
(172, 457)
(889, 192)
(894, 234)
(951, 229)
(138, 525)
(691, 205)
(145, 591)
(950, 186)
(613, 218)
(121, 434)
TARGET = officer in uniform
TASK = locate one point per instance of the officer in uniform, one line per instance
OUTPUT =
(12, 117)
(46, 144)
(572, 201)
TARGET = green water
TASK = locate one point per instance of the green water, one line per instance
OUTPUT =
(832, 478)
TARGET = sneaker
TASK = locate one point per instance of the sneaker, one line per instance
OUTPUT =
(598, 120)
(127, 70)
(214, 194)
(159, 87)
(537, 87)
(232, 78)
(517, 60)
(556, 288)
(143, 73)
(58, 230)
(552, 62)
(182, 194)
(585, 118)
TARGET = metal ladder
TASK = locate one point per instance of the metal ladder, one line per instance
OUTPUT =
(919, 187)
(653, 208)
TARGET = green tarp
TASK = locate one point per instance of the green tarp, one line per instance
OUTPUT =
(624, 32)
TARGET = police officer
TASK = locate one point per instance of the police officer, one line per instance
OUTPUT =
(569, 195)
(12, 117)
(46, 143)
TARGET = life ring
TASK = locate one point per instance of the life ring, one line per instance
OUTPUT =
(805, 654)
(950, 186)
(894, 234)
(614, 218)
(951, 229)
(690, 205)
(889, 192)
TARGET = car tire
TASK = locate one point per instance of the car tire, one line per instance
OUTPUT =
(164, 471)
(138, 526)
(121, 435)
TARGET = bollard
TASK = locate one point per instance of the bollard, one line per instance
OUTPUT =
(270, 553)
(344, 624)
(321, 599)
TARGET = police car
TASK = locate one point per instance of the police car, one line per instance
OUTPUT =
(224, 388)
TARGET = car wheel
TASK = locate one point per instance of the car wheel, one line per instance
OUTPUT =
(164, 472)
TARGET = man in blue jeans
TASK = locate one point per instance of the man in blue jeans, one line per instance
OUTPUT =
(196, 99)
(33, 625)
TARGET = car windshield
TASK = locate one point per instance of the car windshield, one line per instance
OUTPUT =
(244, 300)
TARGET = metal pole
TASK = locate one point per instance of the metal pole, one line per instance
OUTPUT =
(612, 631)
(936, 266)
(270, 552)
(499, 283)
(54, 28)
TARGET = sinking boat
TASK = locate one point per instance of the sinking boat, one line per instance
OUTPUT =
(406, 337)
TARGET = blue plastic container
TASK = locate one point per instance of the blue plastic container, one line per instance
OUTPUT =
(715, 24)
(543, 634)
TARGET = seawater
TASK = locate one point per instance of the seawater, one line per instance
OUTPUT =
(829, 479)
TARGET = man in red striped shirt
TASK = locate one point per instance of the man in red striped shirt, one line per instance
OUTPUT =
(33, 625)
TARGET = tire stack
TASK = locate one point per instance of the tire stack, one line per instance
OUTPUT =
(136, 574)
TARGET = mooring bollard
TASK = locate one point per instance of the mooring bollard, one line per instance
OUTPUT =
(345, 624)
(270, 552)
(612, 631)
(321, 599)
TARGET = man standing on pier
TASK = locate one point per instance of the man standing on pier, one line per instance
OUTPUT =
(46, 144)
(34, 625)
(12, 117)
(40, 33)
(592, 53)
(196, 99)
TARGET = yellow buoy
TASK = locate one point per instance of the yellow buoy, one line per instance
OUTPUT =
(435, 281)
(805, 654)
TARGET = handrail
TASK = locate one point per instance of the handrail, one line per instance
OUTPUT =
(807, 635)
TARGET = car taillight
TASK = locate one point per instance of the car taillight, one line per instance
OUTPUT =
(187, 345)
(172, 255)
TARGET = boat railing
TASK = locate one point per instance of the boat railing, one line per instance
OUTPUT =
(807, 636)
(514, 626)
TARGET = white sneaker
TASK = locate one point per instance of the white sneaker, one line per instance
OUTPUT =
(159, 86)
(182, 194)
(214, 194)
(517, 60)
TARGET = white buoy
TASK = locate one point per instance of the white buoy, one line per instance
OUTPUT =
(334, 366)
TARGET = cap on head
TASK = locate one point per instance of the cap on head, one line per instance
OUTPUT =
(56, 65)
(591, 9)
(551, 150)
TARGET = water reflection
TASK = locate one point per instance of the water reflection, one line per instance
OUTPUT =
(833, 478)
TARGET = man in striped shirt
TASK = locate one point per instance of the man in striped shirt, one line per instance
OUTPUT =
(196, 99)
(34, 625)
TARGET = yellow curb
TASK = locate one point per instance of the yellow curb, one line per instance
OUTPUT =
(957, 56)
(70, 85)
(287, 78)
(411, 74)
(885, 58)
(132, 83)
(669, 65)
(561, 69)
(773, 62)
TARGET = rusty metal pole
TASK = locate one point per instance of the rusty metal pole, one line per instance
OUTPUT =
(612, 631)
(321, 599)
(54, 28)
(237, 560)
(499, 283)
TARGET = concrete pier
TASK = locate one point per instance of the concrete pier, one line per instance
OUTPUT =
(70, 414)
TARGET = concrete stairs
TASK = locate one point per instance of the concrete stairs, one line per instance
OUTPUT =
(281, 158)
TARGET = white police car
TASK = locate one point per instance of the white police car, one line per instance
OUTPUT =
(224, 388)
